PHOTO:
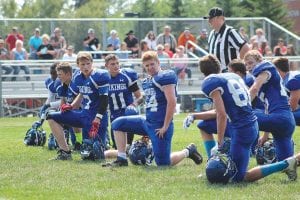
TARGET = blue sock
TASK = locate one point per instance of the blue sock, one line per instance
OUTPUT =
(208, 145)
(275, 167)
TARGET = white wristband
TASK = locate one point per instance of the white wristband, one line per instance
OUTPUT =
(99, 116)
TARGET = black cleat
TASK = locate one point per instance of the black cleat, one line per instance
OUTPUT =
(63, 155)
(120, 162)
(194, 154)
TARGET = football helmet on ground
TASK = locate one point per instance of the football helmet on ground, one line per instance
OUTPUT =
(140, 152)
(220, 169)
(266, 154)
(35, 136)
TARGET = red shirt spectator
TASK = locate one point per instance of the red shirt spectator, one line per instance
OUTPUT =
(186, 36)
(12, 38)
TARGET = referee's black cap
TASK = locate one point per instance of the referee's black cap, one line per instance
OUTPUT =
(214, 12)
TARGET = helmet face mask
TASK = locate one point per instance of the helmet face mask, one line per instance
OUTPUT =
(35, 137)
(266, 154)
(220, 169)
(141, 152)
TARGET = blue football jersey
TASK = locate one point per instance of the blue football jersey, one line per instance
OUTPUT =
(156, 102)
(249, 79)
(292, 81)
(68, 92)
(235, 96)
(272, 93)
(119, 92)
(93, 86)
(51, 85)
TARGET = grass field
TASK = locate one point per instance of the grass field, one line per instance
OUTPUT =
(27, 173)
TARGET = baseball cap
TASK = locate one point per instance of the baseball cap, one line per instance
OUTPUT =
(37, 30)
(15, 28)
(214, 12)
(204, 31)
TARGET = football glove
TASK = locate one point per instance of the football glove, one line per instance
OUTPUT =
(66, 107)
(94, 129)
(44, 110)
(36, 124)
(188, 121)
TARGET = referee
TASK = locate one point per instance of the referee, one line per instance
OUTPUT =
(224, 41)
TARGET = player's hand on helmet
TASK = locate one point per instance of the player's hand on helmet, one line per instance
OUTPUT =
(218, 149)
(66, 107)
(188, 121)
(94, 128)
(36, 124)
(262, 139)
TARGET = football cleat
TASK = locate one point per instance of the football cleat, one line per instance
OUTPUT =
(120, 162)
(291, 170)
(194, 154)
(63, 155)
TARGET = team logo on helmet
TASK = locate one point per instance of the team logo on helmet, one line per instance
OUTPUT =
(220, 169)
(140, 152)
(266, 153)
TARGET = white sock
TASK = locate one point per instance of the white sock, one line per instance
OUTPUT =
(122, 155)
(186, 152)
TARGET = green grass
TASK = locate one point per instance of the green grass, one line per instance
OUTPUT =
(27, 173)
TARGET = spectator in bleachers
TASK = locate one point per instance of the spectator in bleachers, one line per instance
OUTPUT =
(181, 66)
(244, 34)
(109, 48)
(91, 43)
(58, 42)
(291, 52)
(70, 56)
(34, 42)
(13, 37)
(259, 37)
(264, 49)
(121, 54)
(186, 36)
(143, 48)
(132, 44)
(167, 37)
(4, 55)
(280, 49)
(46, 50)
(202, 41)
(113, 39)
(19, 53)
(254, 44)
(162, 56)
(151, 40)
(167, 49)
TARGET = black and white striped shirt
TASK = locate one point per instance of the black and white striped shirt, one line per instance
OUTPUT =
(225, 44)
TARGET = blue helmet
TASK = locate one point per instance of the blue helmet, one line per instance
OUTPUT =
(131, 110)
(52, 143)
(220, 169)
(266, 154)
(140, 152)
(35, 137)
(92, 150)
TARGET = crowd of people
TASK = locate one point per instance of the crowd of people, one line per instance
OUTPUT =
(56, 46)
